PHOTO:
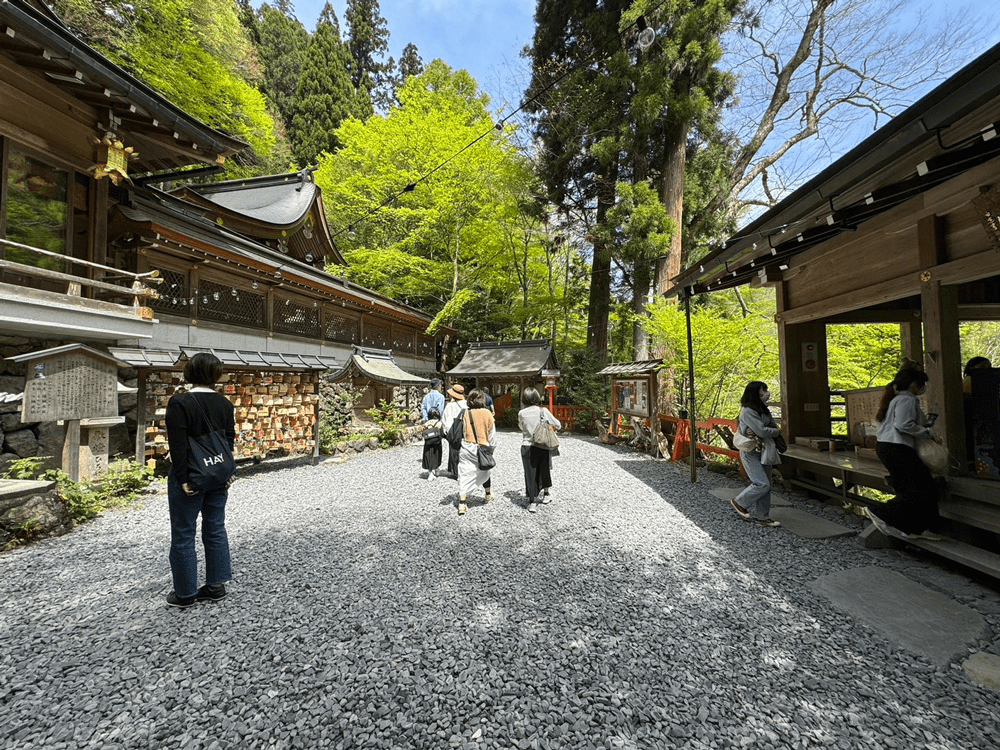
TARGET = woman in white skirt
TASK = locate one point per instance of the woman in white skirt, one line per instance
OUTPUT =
(479, 429)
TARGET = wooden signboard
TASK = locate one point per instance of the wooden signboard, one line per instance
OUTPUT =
(632, 396)
(70, 385)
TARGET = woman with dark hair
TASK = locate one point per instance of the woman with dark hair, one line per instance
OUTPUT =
(976, 363)
(479, 428)
(199, 411)
(433, 427)
(901, 423)
(755, 421)
(537, 461)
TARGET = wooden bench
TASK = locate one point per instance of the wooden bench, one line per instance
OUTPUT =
(968, 501)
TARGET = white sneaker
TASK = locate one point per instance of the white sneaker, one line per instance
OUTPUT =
(546, 499)
(532, 507)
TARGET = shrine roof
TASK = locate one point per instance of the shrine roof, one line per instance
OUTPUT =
(509, 358)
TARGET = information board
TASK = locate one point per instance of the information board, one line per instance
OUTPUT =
(73, 385)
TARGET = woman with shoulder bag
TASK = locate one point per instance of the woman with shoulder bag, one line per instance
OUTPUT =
(190, 416)
(756, 422)
(479, 430)
(901, 424)
(536, 460)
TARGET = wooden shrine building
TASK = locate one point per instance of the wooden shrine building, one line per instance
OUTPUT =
(903, 229)
(502, 365)
(235, 266)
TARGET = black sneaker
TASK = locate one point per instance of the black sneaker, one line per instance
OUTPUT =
(211, 593)
(175, 601)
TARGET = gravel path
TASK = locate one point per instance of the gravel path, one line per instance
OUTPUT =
(635, 611)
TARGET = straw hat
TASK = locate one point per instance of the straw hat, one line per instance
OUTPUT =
(457, 392)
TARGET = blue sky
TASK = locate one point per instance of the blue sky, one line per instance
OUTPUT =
(483, 36)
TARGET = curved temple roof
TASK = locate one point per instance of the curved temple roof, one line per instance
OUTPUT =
(506, 358)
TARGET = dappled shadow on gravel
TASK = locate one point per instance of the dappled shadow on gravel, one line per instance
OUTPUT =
(365, 613)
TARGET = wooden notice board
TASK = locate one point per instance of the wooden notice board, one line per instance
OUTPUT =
(70, 385)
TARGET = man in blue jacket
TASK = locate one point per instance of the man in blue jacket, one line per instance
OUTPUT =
(433, 399)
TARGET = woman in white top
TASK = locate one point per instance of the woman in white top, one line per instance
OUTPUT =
(901, 423)
(537, 461)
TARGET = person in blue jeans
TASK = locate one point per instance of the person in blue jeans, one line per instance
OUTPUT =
(754, 503)
(199, 411)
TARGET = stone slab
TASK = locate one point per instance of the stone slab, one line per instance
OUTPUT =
(807, 525)
(984, 669)
(728, 494)
(904, 612)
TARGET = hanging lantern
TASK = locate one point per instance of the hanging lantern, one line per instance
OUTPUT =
(113, 157)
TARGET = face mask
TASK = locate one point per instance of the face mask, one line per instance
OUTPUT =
(765, 396)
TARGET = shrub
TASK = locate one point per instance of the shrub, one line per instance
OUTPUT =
(391, 421)
(86, 499)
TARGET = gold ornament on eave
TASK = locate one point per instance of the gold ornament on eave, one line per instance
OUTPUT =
(113, 157)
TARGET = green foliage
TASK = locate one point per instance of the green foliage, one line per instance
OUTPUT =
(391, 419)
(119, 487)
(282, 50)
(368, 42)
(862, 356)
(26, 468)
(730, 349)
(325, 96)
(466, 241)
(980, 340)
(581, 386)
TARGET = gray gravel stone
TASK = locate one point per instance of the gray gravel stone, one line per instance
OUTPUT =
(635, 611)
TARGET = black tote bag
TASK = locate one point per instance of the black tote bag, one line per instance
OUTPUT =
(210, 461)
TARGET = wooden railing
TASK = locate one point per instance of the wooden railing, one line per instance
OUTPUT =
(73, 282)
(682, 436)
(567, 415)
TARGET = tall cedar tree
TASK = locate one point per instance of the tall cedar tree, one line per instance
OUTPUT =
(368, 41)
(410, 65)
(576, 104)
(325, 96)
(678, 77)
(282, 45)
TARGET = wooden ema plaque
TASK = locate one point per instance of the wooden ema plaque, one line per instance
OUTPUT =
(71, 385)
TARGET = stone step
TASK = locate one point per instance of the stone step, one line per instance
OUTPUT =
(13, 491)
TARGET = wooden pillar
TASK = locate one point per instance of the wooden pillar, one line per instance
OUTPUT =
(140, 419)
(805, 385)
(911, 340)
(942, 354)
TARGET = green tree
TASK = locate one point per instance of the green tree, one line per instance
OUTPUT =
(409, 65)
(368, 41)
(448, 244)
(282, 50)
(324, 97)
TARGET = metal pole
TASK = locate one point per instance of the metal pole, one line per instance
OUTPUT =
(694, 440)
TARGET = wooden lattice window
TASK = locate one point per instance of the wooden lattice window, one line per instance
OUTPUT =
(426, 346)
(342, 327)
(377, 336)
(402, 340)
(296, 318)
(227, 304)
(175, 297)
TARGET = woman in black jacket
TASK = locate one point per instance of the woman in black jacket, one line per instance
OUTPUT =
(199, 411)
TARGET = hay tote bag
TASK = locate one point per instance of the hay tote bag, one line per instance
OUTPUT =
(210, 461)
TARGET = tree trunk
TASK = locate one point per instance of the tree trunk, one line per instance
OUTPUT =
(599, 306)
(640, 286)
(675, 156)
